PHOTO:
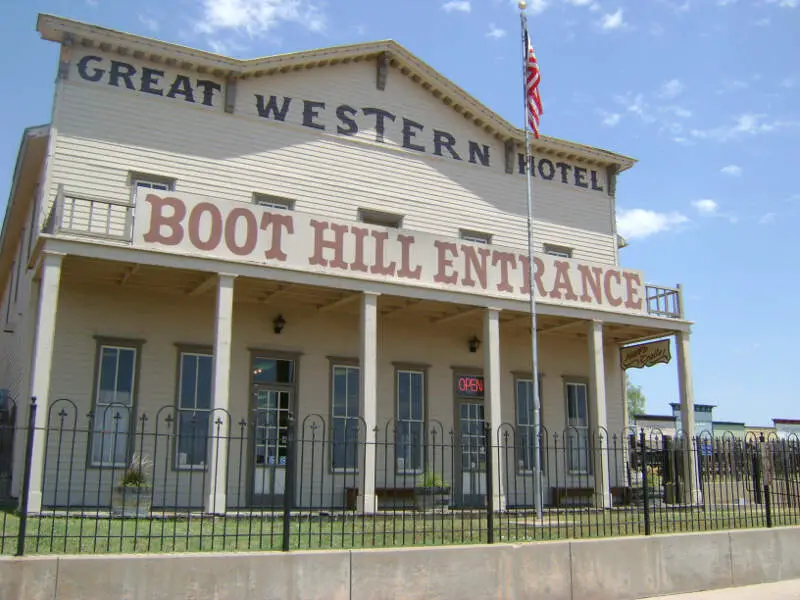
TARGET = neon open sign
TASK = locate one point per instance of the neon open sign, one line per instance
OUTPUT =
(470, 385)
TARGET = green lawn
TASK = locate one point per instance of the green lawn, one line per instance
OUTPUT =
(91, 534)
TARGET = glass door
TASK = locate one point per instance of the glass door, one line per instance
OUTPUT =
(271, 418)
(471, 455)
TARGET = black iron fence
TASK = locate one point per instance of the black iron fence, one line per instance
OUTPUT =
(174, 481)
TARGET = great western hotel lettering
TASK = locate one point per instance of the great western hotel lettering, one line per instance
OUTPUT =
(243, 232)
(349, 120)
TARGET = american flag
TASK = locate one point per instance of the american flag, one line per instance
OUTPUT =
(532, 79)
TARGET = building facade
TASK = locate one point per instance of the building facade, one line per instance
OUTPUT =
(334, 237)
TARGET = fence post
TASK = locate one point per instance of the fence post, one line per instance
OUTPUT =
(26, 480)
(645, 484)
(487, 432)
(288, 494)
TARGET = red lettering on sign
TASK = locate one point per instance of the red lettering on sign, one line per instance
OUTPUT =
(171, 222)
(472, 385)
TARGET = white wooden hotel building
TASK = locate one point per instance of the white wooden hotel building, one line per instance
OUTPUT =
(339, 232)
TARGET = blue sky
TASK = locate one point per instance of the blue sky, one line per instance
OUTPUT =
(704, 93)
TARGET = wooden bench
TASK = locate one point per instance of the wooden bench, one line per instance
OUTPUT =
(395, 493)
(621, 495)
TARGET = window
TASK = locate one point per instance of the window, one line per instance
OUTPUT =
(382, 219)
(410, 421)
(277, 202)
(475, 237)
(344, 417)
(151, 182)
(194, 410)
(113, 405)
(577, 427)
(526, 431)
(560, 251)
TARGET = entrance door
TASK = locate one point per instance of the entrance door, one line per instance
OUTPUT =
(471, 459)
(271, 418)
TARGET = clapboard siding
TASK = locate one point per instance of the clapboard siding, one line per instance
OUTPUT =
(104, 133)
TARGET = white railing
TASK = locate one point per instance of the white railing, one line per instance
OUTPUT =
(664, 301)
(78, 214)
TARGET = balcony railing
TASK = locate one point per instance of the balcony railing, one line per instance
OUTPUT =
(664, 301)
(78, 214)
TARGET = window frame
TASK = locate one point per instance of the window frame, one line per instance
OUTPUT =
(475, 237)
(348, 365)
(136, 345)
(584, 382)
(520, 378)
(155, 182)
(380, 218)
(422, 370)
(199, 351)
(558, 251)
(273, 201)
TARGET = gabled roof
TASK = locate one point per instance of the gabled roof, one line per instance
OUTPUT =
(69, 32)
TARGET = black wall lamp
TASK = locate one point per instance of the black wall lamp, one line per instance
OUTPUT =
(278, 324)
(474, 343)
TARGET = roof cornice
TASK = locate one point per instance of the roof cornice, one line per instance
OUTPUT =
(70, 32)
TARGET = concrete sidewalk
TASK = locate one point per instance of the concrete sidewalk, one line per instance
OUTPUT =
(782, 590)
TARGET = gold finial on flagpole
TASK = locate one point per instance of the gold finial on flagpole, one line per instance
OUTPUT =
(523, 4)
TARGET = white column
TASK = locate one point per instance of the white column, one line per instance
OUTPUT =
(217, 476)
(369, 394)
(41, 369)
(691, 487)
(492, 396)
(599, 426)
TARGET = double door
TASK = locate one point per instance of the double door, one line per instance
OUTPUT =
(271, 408)
(471, 455)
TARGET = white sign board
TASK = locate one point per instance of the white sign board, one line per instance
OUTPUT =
(249, 233)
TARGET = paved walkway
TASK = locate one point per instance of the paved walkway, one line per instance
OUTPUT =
(784, 590)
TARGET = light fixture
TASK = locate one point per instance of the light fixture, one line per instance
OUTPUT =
(474, 343)
(278, 324)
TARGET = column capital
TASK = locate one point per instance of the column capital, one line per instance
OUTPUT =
(370, 293)
(230, 276)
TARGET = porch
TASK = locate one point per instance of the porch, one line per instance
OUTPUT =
(410, 395)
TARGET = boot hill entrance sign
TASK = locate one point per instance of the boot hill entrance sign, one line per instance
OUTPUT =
(247, 233)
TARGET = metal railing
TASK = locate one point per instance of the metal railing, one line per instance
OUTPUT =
(115, 482)
(78, 214)
(664, 301)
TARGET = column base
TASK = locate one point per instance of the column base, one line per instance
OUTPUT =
(216, 504)
(367, 504)
(34, 502)
(603, 499)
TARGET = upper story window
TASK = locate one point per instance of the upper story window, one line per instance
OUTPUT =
(560, 251)
(151, 182)
(382, 219)
(476, 237)
(269, 201)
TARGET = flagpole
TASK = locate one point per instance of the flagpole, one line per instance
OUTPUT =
(537, 475)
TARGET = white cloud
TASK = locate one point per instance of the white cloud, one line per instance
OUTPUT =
(256, 17)
(725, 2)
(590, 4)
(611, 119)
(784, 3)
(683, 7)
(732, 170)
(678, 111)
(150, 23)
(642, 223)
(767, 218)
(671, 89)
(706, 206)
(612, 21)
(534, 6)
(746, 124)
(495, 32)
(789, 83)
(457, 5)
(763, 22)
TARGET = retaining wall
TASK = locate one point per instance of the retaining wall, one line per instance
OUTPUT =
(603, 569)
